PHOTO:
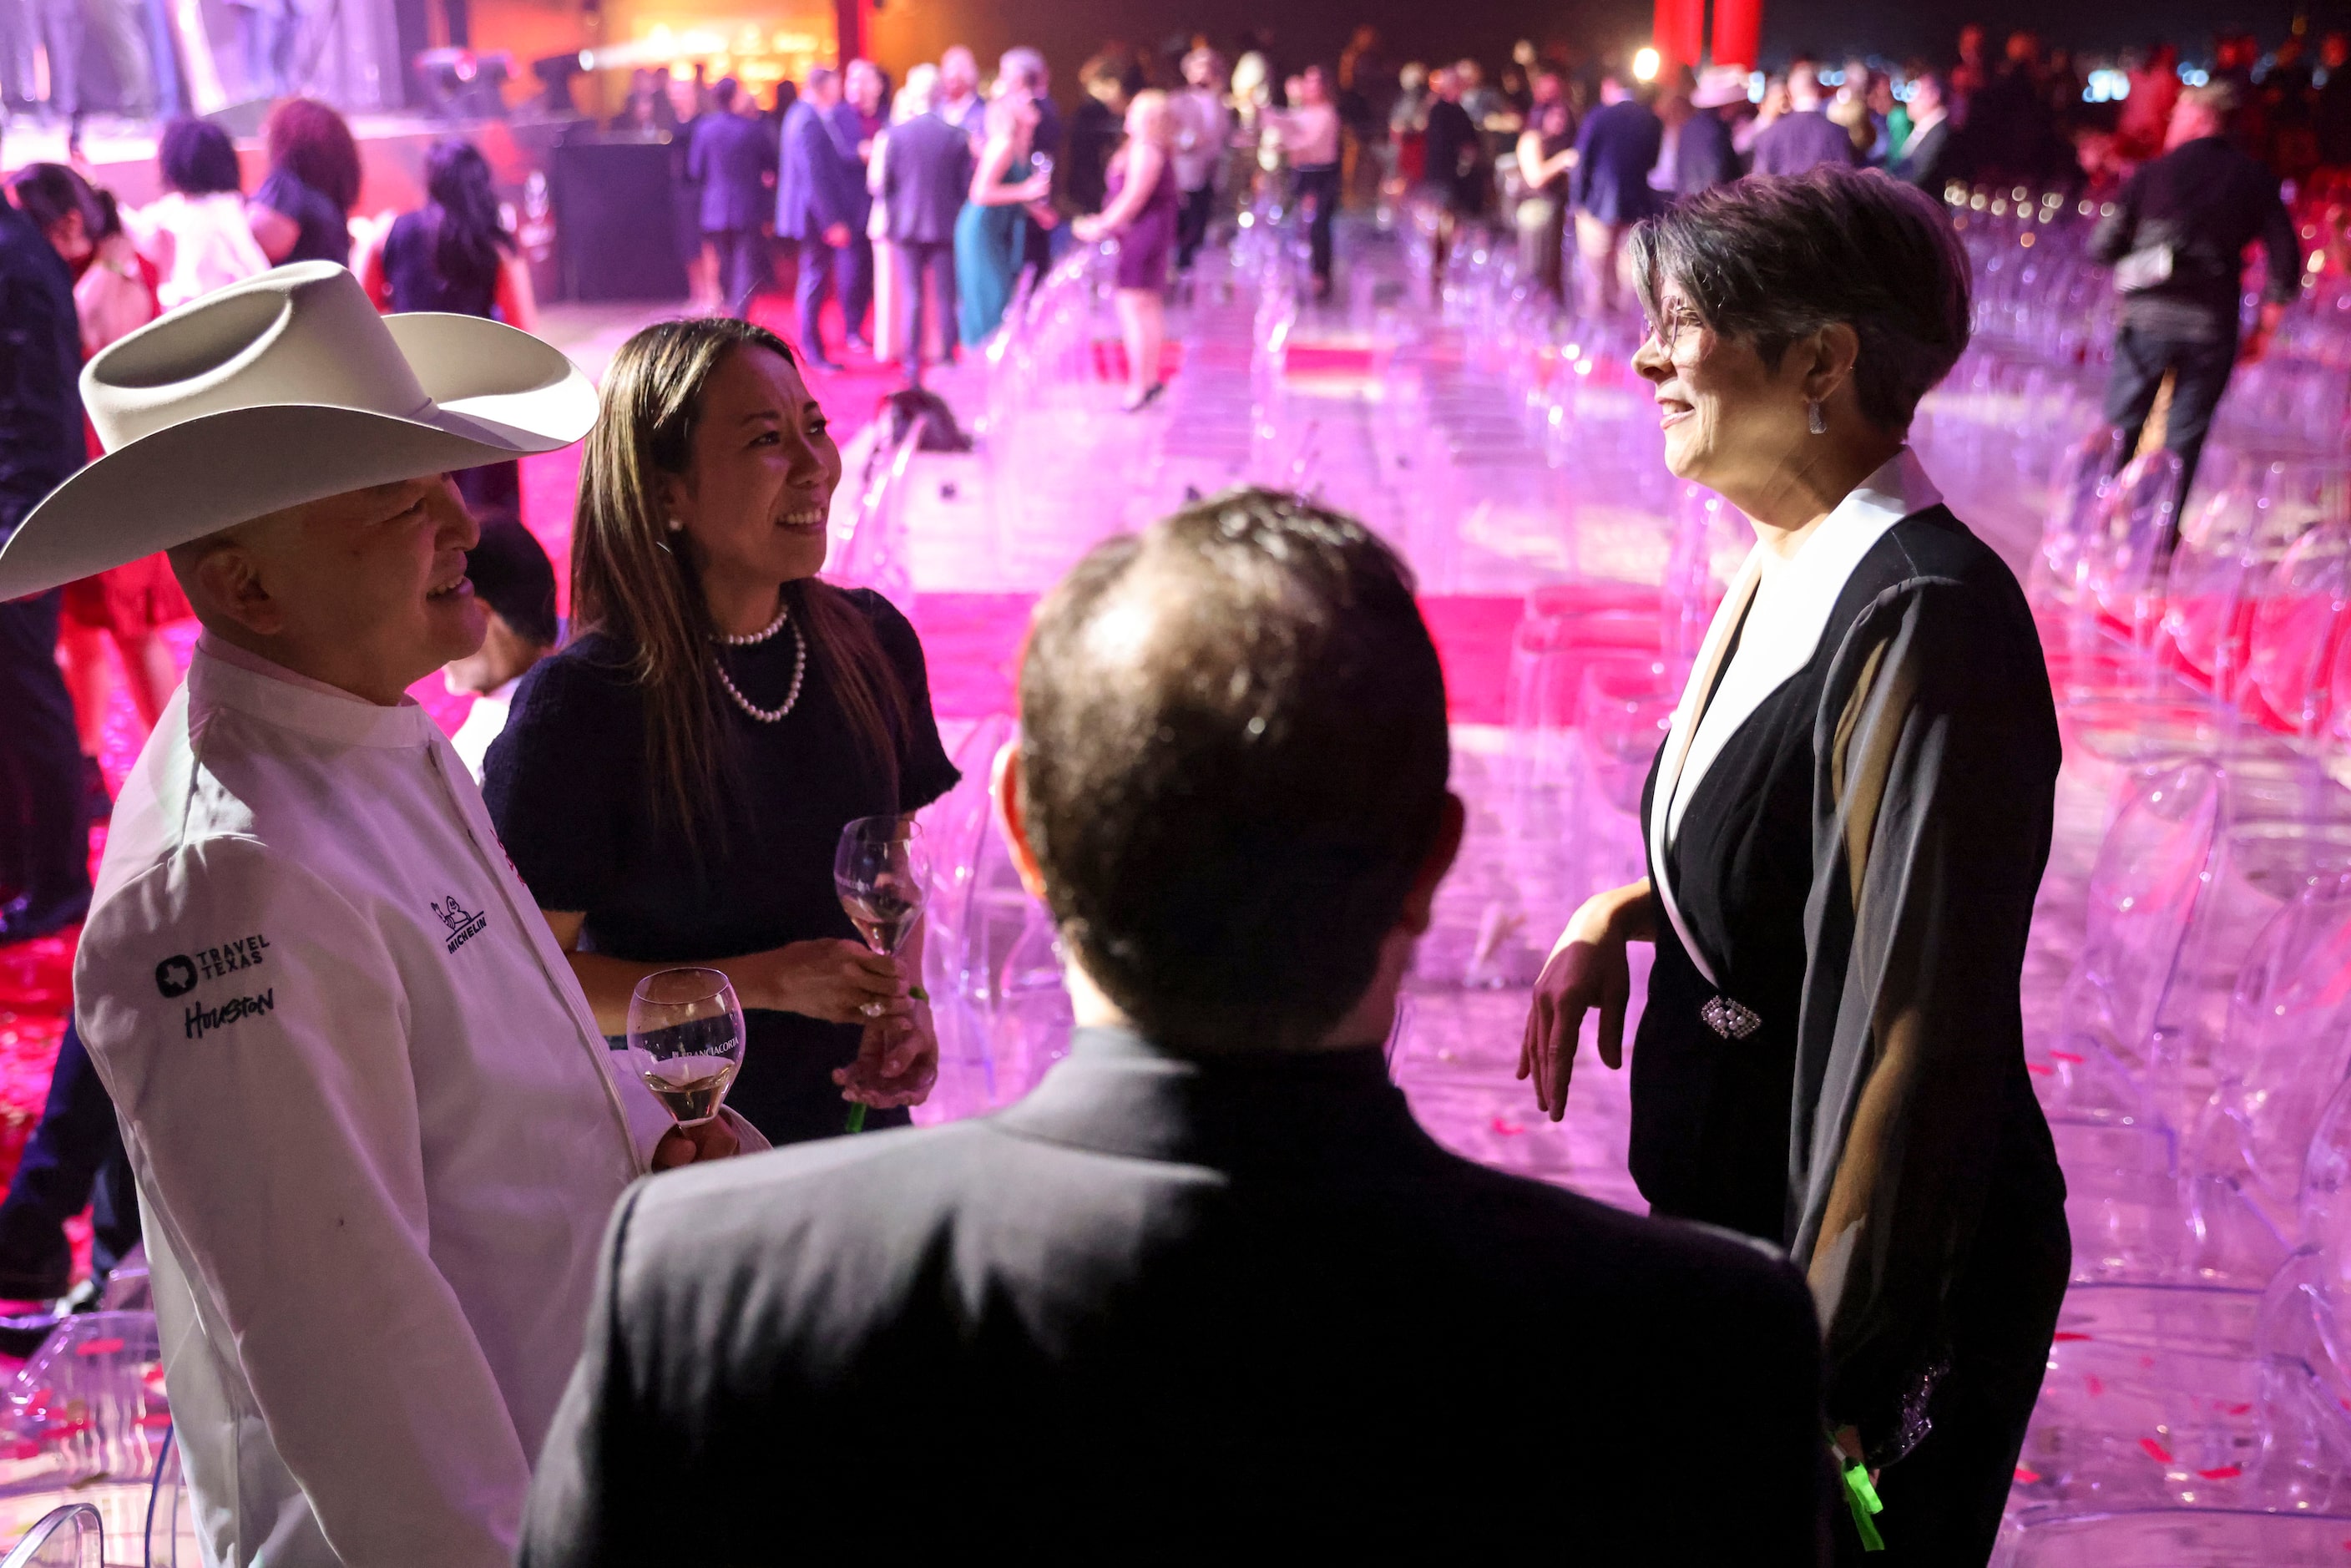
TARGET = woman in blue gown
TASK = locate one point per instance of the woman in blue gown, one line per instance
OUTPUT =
(992, 232)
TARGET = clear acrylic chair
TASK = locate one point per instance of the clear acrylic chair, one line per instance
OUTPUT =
(2170, 1538)
(69, 1537)
(2297, 619)
(2080, 478)
(2286, 1047)
(2302, 1342)
(2119, 605)
(88, 1406)
(957, 929)
(875, 554)
(2142, 896)
(1623, 710)
(1711, 541)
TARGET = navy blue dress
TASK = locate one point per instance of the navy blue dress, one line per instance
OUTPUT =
(414, 270)
(325, 230)
(566, 788)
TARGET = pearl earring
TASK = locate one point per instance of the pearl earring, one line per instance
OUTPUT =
(677, 527)
(1815, 420)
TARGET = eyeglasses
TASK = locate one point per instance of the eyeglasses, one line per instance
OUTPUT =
(1668, 334)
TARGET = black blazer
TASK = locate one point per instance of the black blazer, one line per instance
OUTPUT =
(1163, 1305)
(1927, 162)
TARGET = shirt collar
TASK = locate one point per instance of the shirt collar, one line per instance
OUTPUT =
(223, 676)
(1295, 1110)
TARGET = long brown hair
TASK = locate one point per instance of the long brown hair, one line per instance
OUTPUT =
(629, 584)
(312, 143)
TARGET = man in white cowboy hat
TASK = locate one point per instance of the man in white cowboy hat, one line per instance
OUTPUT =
(376, 1131)
(1703, 155)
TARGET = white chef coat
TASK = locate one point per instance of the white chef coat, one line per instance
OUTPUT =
(376, 1131)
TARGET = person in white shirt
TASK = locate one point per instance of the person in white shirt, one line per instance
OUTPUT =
(1204, 135)
(515, 584)
(196, 232)
(1308, 131)
(376, 1132)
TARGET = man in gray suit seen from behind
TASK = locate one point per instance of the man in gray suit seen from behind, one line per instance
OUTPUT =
(1209, 1285)
(925, 180)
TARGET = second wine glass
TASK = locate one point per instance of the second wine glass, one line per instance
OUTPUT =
(685, 1041)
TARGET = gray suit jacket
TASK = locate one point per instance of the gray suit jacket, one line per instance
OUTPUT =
(1165, 1305)
(925, 180)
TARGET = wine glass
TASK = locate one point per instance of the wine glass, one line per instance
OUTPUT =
(883, 872)
(685, 1041)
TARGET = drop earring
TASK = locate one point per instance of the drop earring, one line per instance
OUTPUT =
(1815, 420)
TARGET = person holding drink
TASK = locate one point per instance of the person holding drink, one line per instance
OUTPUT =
(375, 1129)
(674, 784)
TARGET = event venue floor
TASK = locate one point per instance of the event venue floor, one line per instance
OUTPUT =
(1555, 490)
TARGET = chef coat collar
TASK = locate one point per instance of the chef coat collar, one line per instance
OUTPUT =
(223, 675)
(1791, 601)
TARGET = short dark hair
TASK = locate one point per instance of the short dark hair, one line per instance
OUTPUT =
(1770, 260)
(510, 572)
(312, 143)
(198, 158)
(723, 94)
(1233, 764)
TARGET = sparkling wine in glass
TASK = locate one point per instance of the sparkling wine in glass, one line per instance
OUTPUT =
(881, 873)
(685, 1041)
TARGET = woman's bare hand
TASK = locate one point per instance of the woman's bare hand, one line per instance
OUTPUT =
(1587, 971)
(838, 981)
(897, 1062)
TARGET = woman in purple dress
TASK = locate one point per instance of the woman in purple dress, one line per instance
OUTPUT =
(1141, 217)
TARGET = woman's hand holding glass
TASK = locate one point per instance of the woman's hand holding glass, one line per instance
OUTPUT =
(1587, 971)
(897, 1062)
(838, 981)
(881, 870)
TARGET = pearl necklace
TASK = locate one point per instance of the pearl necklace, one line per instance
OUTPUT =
(750, 639)
(800, 669)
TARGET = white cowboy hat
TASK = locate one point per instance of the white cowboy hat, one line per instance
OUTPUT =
(1718, 86)
(279, 390)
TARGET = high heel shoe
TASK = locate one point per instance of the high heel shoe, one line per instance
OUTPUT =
(1136, 406)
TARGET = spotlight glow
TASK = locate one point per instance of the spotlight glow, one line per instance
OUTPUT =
(1644, 65)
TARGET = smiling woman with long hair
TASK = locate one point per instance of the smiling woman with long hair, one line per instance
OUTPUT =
(672, 784)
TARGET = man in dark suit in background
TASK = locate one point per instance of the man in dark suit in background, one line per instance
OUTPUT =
(1616, 149)
(1805, 137)
(821, 202)
(731, 160)
(1926, 161)
(44, 796)
(2176, 235)
(1209, 1285)
(925, 180)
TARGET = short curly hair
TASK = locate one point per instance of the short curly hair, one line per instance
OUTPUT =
(1770, 260)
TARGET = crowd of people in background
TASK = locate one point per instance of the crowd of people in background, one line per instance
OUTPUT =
(901, 214)
(1563, 148)
(711, 669)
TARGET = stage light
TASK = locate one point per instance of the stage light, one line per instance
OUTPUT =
(1644, 65)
